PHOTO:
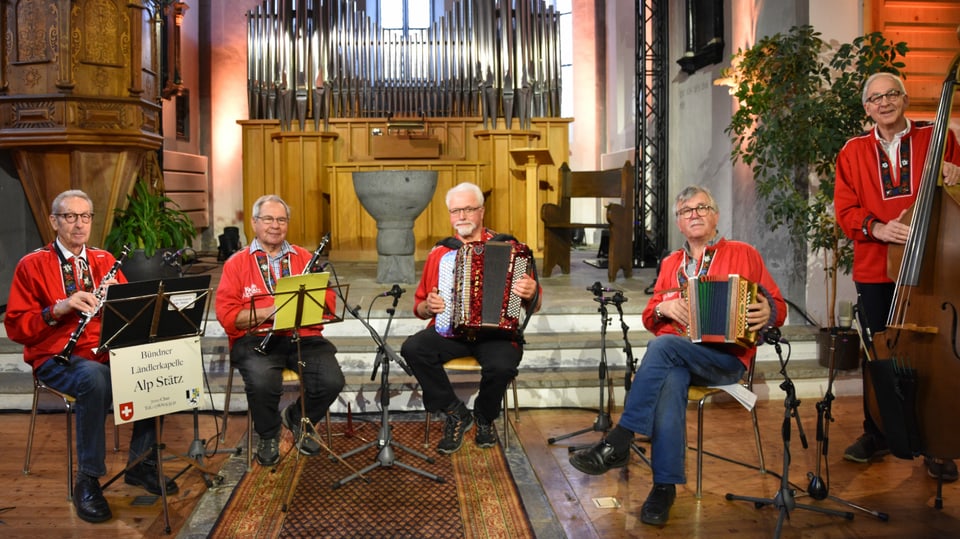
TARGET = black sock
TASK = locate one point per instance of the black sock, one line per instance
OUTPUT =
(620, 439)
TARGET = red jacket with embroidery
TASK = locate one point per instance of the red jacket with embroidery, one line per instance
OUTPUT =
(727, 257)
(242, 283)
(38, 284)
(861, 197)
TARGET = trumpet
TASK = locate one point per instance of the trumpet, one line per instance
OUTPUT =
(264, 347)
(63, 358)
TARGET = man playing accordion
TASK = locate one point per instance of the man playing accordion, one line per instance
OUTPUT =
(498, 353)
(656, 404)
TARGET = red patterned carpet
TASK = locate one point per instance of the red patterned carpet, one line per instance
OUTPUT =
(478, 497)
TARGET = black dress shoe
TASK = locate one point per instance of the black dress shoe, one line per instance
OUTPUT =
(89, 501)
(145, 475)
(599, 459)
(656, 509)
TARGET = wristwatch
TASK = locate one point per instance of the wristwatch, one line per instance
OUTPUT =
(656, 311)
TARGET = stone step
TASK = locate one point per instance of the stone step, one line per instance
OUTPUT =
(560, 366)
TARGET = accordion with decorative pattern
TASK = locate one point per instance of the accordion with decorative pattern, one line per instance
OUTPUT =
(718, 309)
(476, 283)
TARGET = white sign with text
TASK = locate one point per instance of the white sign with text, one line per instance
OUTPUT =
(156, 379)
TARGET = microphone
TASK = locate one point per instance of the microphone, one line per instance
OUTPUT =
(396, 292)
(597, 289)
(171, 258)
(771, 335)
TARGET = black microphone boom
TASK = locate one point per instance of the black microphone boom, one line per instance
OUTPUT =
(771, 335)
(396, 292)
(598, 289)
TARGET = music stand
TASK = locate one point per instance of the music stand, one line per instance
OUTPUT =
(298, 308)
(147, 312)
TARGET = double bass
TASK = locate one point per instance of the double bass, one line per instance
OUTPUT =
(920, 339)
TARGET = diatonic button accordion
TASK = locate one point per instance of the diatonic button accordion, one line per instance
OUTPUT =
(718, 309)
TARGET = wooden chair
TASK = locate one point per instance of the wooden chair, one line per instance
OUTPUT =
(557, 226)
(68, 401)
(700, 394)
(290, 377)
(470, 364)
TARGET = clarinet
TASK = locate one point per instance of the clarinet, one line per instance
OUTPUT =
(63, 358)
(264, 347)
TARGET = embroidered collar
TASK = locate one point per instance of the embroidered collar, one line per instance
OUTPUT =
(689, 266)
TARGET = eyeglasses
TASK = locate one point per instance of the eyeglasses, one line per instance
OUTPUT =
(465, 211)
(892, 96)
(72, 217)
(269, 220)
(701, 210)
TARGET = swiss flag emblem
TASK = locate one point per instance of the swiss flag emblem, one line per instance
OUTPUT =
(126, 411)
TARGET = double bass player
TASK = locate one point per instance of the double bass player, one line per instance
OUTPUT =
(879, 175)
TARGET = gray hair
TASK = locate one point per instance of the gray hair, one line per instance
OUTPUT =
(692, 191)
(465, 187)
(268, 198)
(72, 193)
(882, 74)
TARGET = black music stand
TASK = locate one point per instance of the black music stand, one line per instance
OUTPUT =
(785, 500)
(301, 308)
(385, 442)
(154, 311)
(181, 309)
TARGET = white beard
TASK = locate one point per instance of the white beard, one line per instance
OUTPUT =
(465, 229)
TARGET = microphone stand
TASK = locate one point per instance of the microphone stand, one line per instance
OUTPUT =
(385, 442)
(785, 500)
(819, 489)
(602, 423)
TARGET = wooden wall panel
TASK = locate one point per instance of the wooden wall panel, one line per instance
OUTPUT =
(930, 30)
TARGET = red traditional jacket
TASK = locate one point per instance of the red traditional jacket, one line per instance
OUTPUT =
(242, 284)
(870, 189)
(38, 283)
(724, 257)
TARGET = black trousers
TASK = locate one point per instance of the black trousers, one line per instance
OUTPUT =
(322, 378)
(426, 351)
(874, 300)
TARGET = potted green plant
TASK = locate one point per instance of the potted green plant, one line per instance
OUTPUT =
(799, 102)
(150, 222)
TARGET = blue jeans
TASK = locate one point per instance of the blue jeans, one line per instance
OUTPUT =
(89, 382)
(657, 403)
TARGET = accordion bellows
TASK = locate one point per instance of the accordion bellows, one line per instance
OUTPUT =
(718, 309)
(476, 283)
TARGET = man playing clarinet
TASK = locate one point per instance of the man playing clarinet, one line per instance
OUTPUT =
(52, 289)
(245, 308)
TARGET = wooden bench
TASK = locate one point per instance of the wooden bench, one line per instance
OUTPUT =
(557, 227)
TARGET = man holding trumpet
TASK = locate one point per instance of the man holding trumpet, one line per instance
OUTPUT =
(245, 308)
(53, 289)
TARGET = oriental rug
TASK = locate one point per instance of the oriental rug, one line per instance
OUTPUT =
(477, 498)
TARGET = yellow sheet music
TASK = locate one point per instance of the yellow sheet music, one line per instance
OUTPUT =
(286, 298)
